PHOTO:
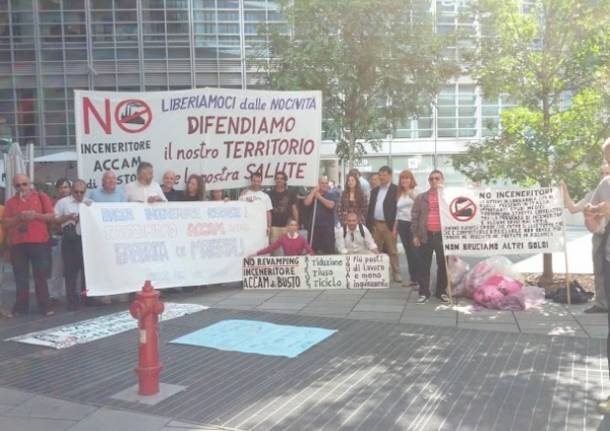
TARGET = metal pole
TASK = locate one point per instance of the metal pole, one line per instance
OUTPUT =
(242, 45)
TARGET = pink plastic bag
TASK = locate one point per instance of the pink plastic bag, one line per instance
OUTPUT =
(500, 293)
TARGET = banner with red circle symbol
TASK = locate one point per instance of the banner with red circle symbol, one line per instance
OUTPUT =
(484, 222)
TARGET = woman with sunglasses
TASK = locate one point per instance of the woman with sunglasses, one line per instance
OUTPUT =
(428, 239)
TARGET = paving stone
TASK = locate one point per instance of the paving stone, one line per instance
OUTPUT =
(165, 391)
(371, 315)
(597, 331)
(14, 397)
(270, 305)
(106, 419)
(430, 321)
(487, 326)
(497, 317)
(50, 408)
(14, 423)
(383, 308)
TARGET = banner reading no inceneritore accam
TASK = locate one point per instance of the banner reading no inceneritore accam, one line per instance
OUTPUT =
(224, 134)
(487, 222)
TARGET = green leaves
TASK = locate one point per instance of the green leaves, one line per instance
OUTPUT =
(374, 61)
(540, 57)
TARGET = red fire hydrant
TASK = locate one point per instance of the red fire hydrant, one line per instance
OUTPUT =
(146, 308)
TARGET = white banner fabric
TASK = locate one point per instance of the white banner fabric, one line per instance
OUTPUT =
(172, 244)
(486, 222)
(366, 271)
(224, 134)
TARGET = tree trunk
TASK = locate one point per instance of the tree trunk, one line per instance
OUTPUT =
(547, 270)
(547, 258)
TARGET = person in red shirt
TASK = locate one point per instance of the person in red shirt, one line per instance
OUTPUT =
(25, 217)
(292, 243)
(428, 239)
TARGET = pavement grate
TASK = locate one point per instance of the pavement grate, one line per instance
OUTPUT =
(369, 375)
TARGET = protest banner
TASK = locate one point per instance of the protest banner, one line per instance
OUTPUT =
(172, 244)
(502, 221)
(224, 134)
(365, 271)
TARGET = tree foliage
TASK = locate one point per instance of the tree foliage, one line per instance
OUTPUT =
(541, 53)
(541, 57)
(376, 63)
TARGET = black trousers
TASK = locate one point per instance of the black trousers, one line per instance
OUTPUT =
(434, 245)
(72, 254)
(323, 240)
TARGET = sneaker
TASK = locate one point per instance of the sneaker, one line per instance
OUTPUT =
(603, 407)
(444, 298)
(49, 313)
(595, 309)
(422, 299)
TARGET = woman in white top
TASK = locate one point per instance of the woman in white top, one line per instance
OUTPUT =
(402, 226)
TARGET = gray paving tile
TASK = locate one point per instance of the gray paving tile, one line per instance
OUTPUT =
(597, 331)
(270, 305)
(50, 408)
(14, 423)
(383, 308)
(239, 303)
(106, 419)
(377, 316)
(430, 320)
(487, 326)
(14, 397)
(236, 307)
(327, 308)
(5, 408)
(498, 317)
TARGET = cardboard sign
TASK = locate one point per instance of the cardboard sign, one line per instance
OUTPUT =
(485, 222)
(366, 271)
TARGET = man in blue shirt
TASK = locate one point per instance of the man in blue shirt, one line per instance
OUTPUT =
(323, 201)
(109, 191)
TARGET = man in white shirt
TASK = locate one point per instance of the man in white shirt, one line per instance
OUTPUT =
(255, 193)
(144, 189)
(67, 215)
(354, 238)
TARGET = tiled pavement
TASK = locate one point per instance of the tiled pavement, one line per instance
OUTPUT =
(392, 365)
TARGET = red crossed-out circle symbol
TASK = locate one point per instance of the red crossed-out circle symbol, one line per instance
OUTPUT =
(463, 209)
(133, 115)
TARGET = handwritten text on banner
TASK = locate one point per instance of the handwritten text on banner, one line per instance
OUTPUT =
(172, 244)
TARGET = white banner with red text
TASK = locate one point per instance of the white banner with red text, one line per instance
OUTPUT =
(482, 222)
(223, 134)
(172, 244)
(361, 271)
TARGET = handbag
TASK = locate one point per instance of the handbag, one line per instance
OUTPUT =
(577, 294)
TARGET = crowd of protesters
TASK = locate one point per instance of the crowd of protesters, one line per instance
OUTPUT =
(364, 217)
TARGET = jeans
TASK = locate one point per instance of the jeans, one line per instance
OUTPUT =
(72, 254)
(434, 245)
(406, 237)
(39, 256)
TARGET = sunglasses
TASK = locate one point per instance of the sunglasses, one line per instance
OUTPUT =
(22, 184)
(434, 179)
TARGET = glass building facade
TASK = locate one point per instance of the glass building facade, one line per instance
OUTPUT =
(48, 48)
